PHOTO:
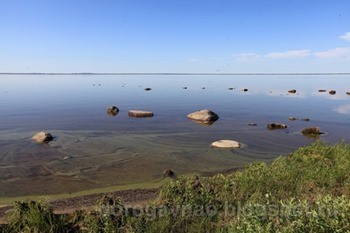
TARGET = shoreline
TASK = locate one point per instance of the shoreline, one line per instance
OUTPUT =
(130, 197)
(80, 201)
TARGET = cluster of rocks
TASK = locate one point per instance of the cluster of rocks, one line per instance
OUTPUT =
(205, 117)
(291, 91)
(302, 119)
(113, 111)
(332, 92)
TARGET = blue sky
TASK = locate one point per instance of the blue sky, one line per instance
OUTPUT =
(174, 36)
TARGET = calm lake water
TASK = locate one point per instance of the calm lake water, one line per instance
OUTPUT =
(94, 150)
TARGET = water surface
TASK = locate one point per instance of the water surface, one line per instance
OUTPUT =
(94, 150)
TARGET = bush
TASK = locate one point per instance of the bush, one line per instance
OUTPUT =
(108, 217)
(35, 217)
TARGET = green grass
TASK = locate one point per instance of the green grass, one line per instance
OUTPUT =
(307, 191)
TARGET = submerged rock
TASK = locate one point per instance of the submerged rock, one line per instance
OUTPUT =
(184, 88)
(226, 144)
(42, 137)
(311, 131)
(230, 88)
(140, 113)
(273, 126)
(112, 110)
(169, 173)
(332, 92)
(322, 90)
(205, 116)
(305, 119)
(252, 124)
(293, 91)
(292, 118)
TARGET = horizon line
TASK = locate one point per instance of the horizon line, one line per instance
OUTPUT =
(171, 73)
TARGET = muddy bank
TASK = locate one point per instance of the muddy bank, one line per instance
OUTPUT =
(129, 197)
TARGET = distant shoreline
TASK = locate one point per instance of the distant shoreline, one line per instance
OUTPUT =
(126, 73)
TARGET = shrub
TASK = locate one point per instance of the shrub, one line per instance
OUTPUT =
(35, 217)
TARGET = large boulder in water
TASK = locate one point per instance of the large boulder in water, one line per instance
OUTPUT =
(226, 144)
(311, 131)
(42, 137)
(140, 113)
(273, 126)
(205, 116)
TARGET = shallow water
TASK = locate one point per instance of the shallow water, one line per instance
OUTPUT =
(93, 149)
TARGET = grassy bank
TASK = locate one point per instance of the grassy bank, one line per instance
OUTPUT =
(307, 191)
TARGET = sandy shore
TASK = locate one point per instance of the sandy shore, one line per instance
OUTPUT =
(129, 197)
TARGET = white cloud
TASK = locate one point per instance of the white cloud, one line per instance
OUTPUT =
(334, 53)
(346, 36)
(289, 54)
(246, 56)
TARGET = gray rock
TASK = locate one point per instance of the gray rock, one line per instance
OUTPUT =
(332, 92)
(112, 110)
(140, 113)
(205, 116)
(273, 126)
(311, 131)
(42, 137)
(147, 89)
(169, 173)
